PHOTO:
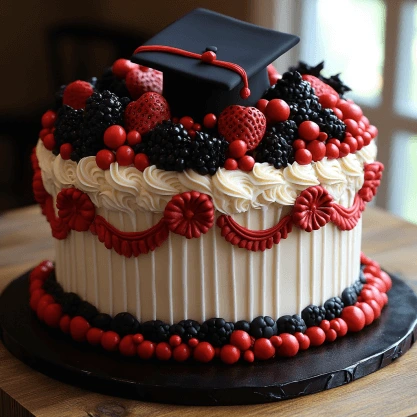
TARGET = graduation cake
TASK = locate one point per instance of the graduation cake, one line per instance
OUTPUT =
(204, 206)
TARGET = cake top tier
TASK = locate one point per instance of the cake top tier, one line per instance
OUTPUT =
(195, 83)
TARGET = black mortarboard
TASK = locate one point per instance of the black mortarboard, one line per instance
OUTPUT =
(193, 87)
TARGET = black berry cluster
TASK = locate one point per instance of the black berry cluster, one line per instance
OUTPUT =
(155, 331)
(216, 331)
(329, 123)
(263, 326)
(108, 81)
(333, 307)
(313, 315)
(67, 126)
(291, 324)
(125, 323)
(186, 329)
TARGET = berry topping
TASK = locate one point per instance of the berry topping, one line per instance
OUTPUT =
(216, 331)
(276, 146)
(333, 307)
(231, 164)
(139, 82)
(291, 324)
(49, 141)
(313, 315)
(261, 105)
(125, 156)
(186, 329)
(238, 148)
(156, 331)
(210, 121)
(141, 161)
(121, 67)
(187, 122)
(349, 296)
(263, 326)
(303, 156)
(67, 126)
(114, 136)
(145, 113)
(134, 138)
(102, 321)
(76, 94)
(245, 123)
(86, 310)
(104, 159)
(246, 163)
(317, 149)
(65, 151)
(276, 111)
(125, 323)
(309, 130)
(48, 119)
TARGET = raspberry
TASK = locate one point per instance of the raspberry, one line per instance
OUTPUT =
(77, 93)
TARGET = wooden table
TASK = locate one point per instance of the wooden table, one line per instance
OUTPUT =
(25, 240)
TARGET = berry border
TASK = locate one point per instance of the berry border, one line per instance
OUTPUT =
(241, 346)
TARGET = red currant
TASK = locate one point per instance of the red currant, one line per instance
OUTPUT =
(328, 101)
(290, 345)
(238, 148)
(187, 122)
(127, 347)
(48, 119)
(125, 156)
(332, 151)
(353, 144)
(104, 159)
(210, 121)
(49, 141)
(309, 130)
(229, 354)
(240, 339)
(65, 151)
(338, 113)
(351, 126)
(79, 327)
(316, 335)
(231, 164)
(114, 136)
(133, 138)
(299, 144)
(203, 352)
(317, 149)
(277, 110)
(146, 349)
(142, 161)
(354, 318)
(303, 156)
(261, 105)
(181, 352)
(110, 341)
(197, 127)
(163, 351)
(263, 349)
(246, 163)
(94, 336)
(175, 340)
(52, 315)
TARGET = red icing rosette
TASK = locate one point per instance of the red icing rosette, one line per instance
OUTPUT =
(313, 209)
(372, 176)
(75, 209)
(189, 214)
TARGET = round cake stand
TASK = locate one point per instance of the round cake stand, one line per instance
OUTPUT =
(317, 369)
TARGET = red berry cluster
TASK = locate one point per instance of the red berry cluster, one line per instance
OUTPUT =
(47, 132)
(188, 124)
(371, 300)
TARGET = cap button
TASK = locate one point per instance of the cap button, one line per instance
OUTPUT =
(211, 48)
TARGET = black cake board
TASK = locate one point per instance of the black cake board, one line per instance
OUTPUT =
(317, 369)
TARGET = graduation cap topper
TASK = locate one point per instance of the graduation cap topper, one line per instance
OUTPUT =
(210, 61)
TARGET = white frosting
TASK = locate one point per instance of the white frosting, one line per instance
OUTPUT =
(126, 189)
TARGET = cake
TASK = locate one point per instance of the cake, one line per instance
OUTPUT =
(204, 206)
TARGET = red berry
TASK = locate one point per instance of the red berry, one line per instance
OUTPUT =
(240, 339)
(175, 340)
(238, 148)
(192, 133)
(303, 340)
(290, 345)
(49, 141)
(48, 119)
(210, 121)
(263, 349)
(368, 311)
(343, 327)
(78, 328)
(76, 94)
(181, 352)
(322, 136)
(325, 325)
(309, 130)
(335, 142)
(276, 341)
(44, 302)
(354, 318)
(249, 356)
(146, 349)
(303, 156)
(52, 315)
(137, 339)
(110, 341)
(384, 298)
(94, 336)
(127, 347)
(229, 354)
(193, 342)
(373, 131)
(35, 285)
(261, 105)
(104, 159)
(351, 126)
(121, 67)
(197, 127)
(64, 324)
(344, 150)
(35, 297)
(331, 335)
(299, 144)
(328, 101)
(316, 335)
(332, 151)
(377, 283)
(125, 156)
(42, 271)
(277, 110)
(231, 164)
(350, 110)
(133, 138)
(163, 351)
(317, 149)
(375, 306)
(141, 161)
(360, 141)
(246, 163)
(44, 132)
(353, 144)
(203, 352)
(338, 113)
(187, 122)
(386, 278)
(114, 136)
(65, 151)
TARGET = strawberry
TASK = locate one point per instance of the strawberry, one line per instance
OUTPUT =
(145, 113)
(77, 93)
(140, 81)
(320, 87)
(244, 123)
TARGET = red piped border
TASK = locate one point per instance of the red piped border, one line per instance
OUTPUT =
(242, 346)
(191, 214)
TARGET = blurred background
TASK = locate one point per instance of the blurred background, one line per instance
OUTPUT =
(45, 44)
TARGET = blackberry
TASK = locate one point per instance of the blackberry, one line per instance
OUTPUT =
(263, 326)
(309, 110)
(125, 323)
(53, 288)
(349, 296)
(101, 111)
(362, 277)
(333, 307)
(313, 315)
(291, 324)
(357, 286)
(168, 146)
(155, 331)
(86, 310)
(67, 126)
(334, 81)
(186, 329)
(216, 331)
(102, 321)
(70, 303)
(275, 149)
(108, 81)
(242, 325)
(330, 124)
(208, 153)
